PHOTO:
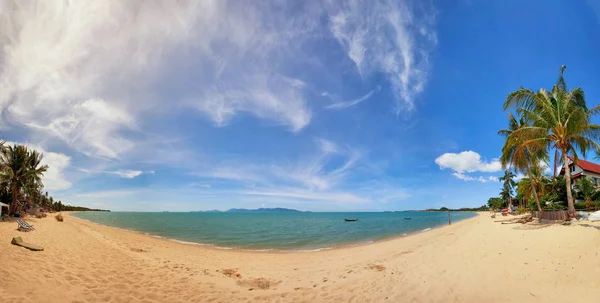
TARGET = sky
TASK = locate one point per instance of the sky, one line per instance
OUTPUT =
(313, 105)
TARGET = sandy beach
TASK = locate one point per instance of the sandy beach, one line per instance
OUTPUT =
(476, 260)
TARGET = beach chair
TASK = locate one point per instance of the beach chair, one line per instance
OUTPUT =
(24, 226)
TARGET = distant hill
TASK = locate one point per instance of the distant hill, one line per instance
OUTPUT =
(244, 210)
(263, 210)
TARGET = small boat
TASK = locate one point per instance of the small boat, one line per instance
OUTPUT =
(407, 218)
(350, 220)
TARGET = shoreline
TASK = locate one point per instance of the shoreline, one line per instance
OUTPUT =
(474, 260)
(275, 250)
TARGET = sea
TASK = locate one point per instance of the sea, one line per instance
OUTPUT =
(293, 232)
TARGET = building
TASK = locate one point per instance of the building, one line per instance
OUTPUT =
(584, 169)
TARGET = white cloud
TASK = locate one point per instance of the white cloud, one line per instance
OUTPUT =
(122, 173)
(341, 105)
(479, 179)
(322, 171)
(467, 161)
(327, 146)
(106, 194)
(93, 73)
(338, 197)
(389, 37)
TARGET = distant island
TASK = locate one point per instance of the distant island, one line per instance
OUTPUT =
(259, 210)
(481, 208)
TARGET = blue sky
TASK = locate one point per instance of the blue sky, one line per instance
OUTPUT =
(324, 106)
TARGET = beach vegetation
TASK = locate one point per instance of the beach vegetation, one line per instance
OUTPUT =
(508, 186)
(586, 189)
(495, 203)
(21, 185)
(522, 158)
(558, 119)
(21, 173)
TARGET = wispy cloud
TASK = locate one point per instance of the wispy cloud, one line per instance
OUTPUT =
(90, 90)
(341, 105)
(122, 173)
(390, 38)
(479, 179)
(107, 81)
(321, 171)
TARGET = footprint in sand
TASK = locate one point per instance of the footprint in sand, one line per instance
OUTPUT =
(260, 283)
(377, 267)
(231, 272)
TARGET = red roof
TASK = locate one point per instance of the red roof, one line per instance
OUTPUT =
(587, 166)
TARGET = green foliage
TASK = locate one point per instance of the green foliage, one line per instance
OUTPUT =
(585, 189)
(481, 208)
(21, 183)
(495, 203)
(21, 173)
(559, 119)
(588, 205)
(521, 210)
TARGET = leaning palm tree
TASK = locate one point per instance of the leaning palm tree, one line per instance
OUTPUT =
(560, 119)
(519, 156)
(507, 186)
(19, 172)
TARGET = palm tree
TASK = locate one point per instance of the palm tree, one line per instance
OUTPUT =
(20, 172)
(536, 184)
(519, 156)
(508, 185)
(560, 119)
(36, 171)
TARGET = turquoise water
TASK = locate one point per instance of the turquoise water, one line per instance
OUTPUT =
(277, 231)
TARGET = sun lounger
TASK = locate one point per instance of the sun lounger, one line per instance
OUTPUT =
(19, 242)
(24, 226)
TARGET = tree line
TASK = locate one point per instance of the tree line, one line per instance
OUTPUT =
(21, 186)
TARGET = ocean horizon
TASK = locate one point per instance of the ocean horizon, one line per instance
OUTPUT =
(265, 231)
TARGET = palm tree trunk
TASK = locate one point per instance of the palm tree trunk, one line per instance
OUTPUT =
(571, 206)
(555, 168)
(537, 199)
(13, 207)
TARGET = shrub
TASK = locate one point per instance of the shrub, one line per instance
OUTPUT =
(580, 205)
(521, 210)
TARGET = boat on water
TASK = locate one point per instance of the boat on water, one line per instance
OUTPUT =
(407, 218)
(350, 220)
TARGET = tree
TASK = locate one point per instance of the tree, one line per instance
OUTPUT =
(507, 186)
(586, 188)
(560, 119)
(21, 172)
(519, 156)
(495, 203)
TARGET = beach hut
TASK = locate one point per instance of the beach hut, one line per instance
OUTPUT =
(2, 208)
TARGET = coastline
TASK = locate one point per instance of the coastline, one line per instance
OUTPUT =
(275, 250)
(474, 260)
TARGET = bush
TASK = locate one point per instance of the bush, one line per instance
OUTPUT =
(580, 205)
(521, 210)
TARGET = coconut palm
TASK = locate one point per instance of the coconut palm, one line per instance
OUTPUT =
(519, 156)
(507, 186)
(560, 119)
(36, 171)
(21, 172)
(535, 184)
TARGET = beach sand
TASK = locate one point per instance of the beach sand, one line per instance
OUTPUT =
(476, 260)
